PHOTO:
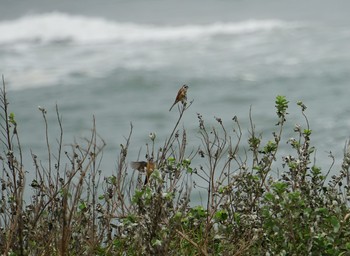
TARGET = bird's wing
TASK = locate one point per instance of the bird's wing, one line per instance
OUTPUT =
(140, 166)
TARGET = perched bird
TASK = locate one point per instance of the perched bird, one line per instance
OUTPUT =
(143, 166)
(181, 96)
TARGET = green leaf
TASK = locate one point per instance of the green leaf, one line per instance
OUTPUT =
(307, 212)
(189, 170)
(269, 196)
(82, 206)
(270, 147)
(295, 196)
(281, 105)
(168, 196)
(186, 162)
(237, 217)
(279, 187)
(322, 210)
(315, 170)
(254, 142)
(178, 215)
(117, 243)
(302, 105)
(347, 246)
(137, 196)
(171, 160)
(198, 211)
(307, 132)
(335, 223)
(221, 215)
(112, 180)
(222, 189)
(12, 118)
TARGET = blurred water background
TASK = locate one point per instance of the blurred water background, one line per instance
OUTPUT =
(123, 61)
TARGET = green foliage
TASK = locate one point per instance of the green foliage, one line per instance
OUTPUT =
(248, 207)
(281, 106)
(12, 118)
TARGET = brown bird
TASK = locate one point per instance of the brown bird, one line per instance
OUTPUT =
(181, 96)
(143, 166)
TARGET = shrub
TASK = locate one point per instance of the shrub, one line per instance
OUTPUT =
(248, 209)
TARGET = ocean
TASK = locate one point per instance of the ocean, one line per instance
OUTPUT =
(122, 62)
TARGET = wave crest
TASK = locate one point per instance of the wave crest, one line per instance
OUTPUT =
(60, 27)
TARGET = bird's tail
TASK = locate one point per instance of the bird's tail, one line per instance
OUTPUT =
(146, 180)
(172, 106)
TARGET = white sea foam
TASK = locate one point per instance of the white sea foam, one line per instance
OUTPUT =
(58, 27)
(130, 46)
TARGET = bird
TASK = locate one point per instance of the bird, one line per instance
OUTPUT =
(181, 96)
(143, 166)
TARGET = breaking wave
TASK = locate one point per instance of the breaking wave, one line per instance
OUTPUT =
(59, 27)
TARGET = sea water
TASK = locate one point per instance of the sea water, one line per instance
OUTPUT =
(122, 62)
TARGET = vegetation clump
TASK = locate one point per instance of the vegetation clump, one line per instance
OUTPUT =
(256, 202)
